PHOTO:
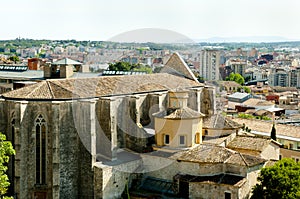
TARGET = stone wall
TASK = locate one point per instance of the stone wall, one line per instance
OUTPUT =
(206, 190)
(111, 181)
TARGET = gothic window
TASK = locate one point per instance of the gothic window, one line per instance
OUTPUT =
(40, 149)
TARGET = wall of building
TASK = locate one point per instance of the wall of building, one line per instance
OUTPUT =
(288, 153)
(111, 181)
(271, 152)
(206, 190)
(174, 128)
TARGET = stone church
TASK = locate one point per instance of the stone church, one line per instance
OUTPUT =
(100, 137)
(60, 128)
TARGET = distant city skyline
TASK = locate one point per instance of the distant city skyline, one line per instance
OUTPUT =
(199, 20)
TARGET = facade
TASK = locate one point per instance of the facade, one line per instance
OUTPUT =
(47, 125)
(178, 126)
(287, 135)
(96, 137)
(237, 66)
(209, 64)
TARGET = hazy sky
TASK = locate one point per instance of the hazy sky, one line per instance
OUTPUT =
(103, 19)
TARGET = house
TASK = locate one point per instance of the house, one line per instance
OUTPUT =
(287, 135)
(229, 86)
(238, 97)
(218, 126)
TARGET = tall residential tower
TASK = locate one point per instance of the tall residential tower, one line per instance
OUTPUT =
(209, 64)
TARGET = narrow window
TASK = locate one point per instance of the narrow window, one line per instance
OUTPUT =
(167, 139)
(40, 150)
(181, 140)
(197, 138)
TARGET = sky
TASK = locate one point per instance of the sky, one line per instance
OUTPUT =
(105, 19)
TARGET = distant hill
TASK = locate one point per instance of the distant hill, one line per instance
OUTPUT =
(250, 39)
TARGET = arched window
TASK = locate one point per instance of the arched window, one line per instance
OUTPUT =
(40, 149)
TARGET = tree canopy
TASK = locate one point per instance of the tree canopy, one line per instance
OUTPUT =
(244, 88)
(236, 77)
(6, 150)
(279, 181)
(126, 66)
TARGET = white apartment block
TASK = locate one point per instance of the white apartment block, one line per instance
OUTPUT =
(209, 64)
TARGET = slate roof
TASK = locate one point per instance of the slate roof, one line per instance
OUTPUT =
(66, 61)
(183, 113)
(218, 154)
(218, 121)
(61, 89)
(177, 66)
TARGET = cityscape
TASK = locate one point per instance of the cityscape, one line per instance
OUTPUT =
(150, 100)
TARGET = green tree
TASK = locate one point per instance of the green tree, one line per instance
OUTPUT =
(14, 58)
(6, 150)
(236, 77)
(120, 66)
(244, 88)
(126, 66)
(273, 132)
(278, 181)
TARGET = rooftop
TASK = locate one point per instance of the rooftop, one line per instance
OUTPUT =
(264, 127)
(177, 66)
(66, 61)
(238, 95)
(246, 143)
(182, 113)
(206, 153)
(257, 102)
(218, 121)
(73, 88)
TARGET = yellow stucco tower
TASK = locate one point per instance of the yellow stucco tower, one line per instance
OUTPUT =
(179, 126)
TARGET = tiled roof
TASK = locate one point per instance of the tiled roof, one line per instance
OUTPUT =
(183, 113)
(218, 154)
(100, 86)
(257, 102)
(177, 66)
(229, 84)
(249, 143)
(266, 127)
(220, 122)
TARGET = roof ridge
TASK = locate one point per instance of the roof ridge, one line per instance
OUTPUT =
(37, 87)
(49, 87)
(62, 87)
